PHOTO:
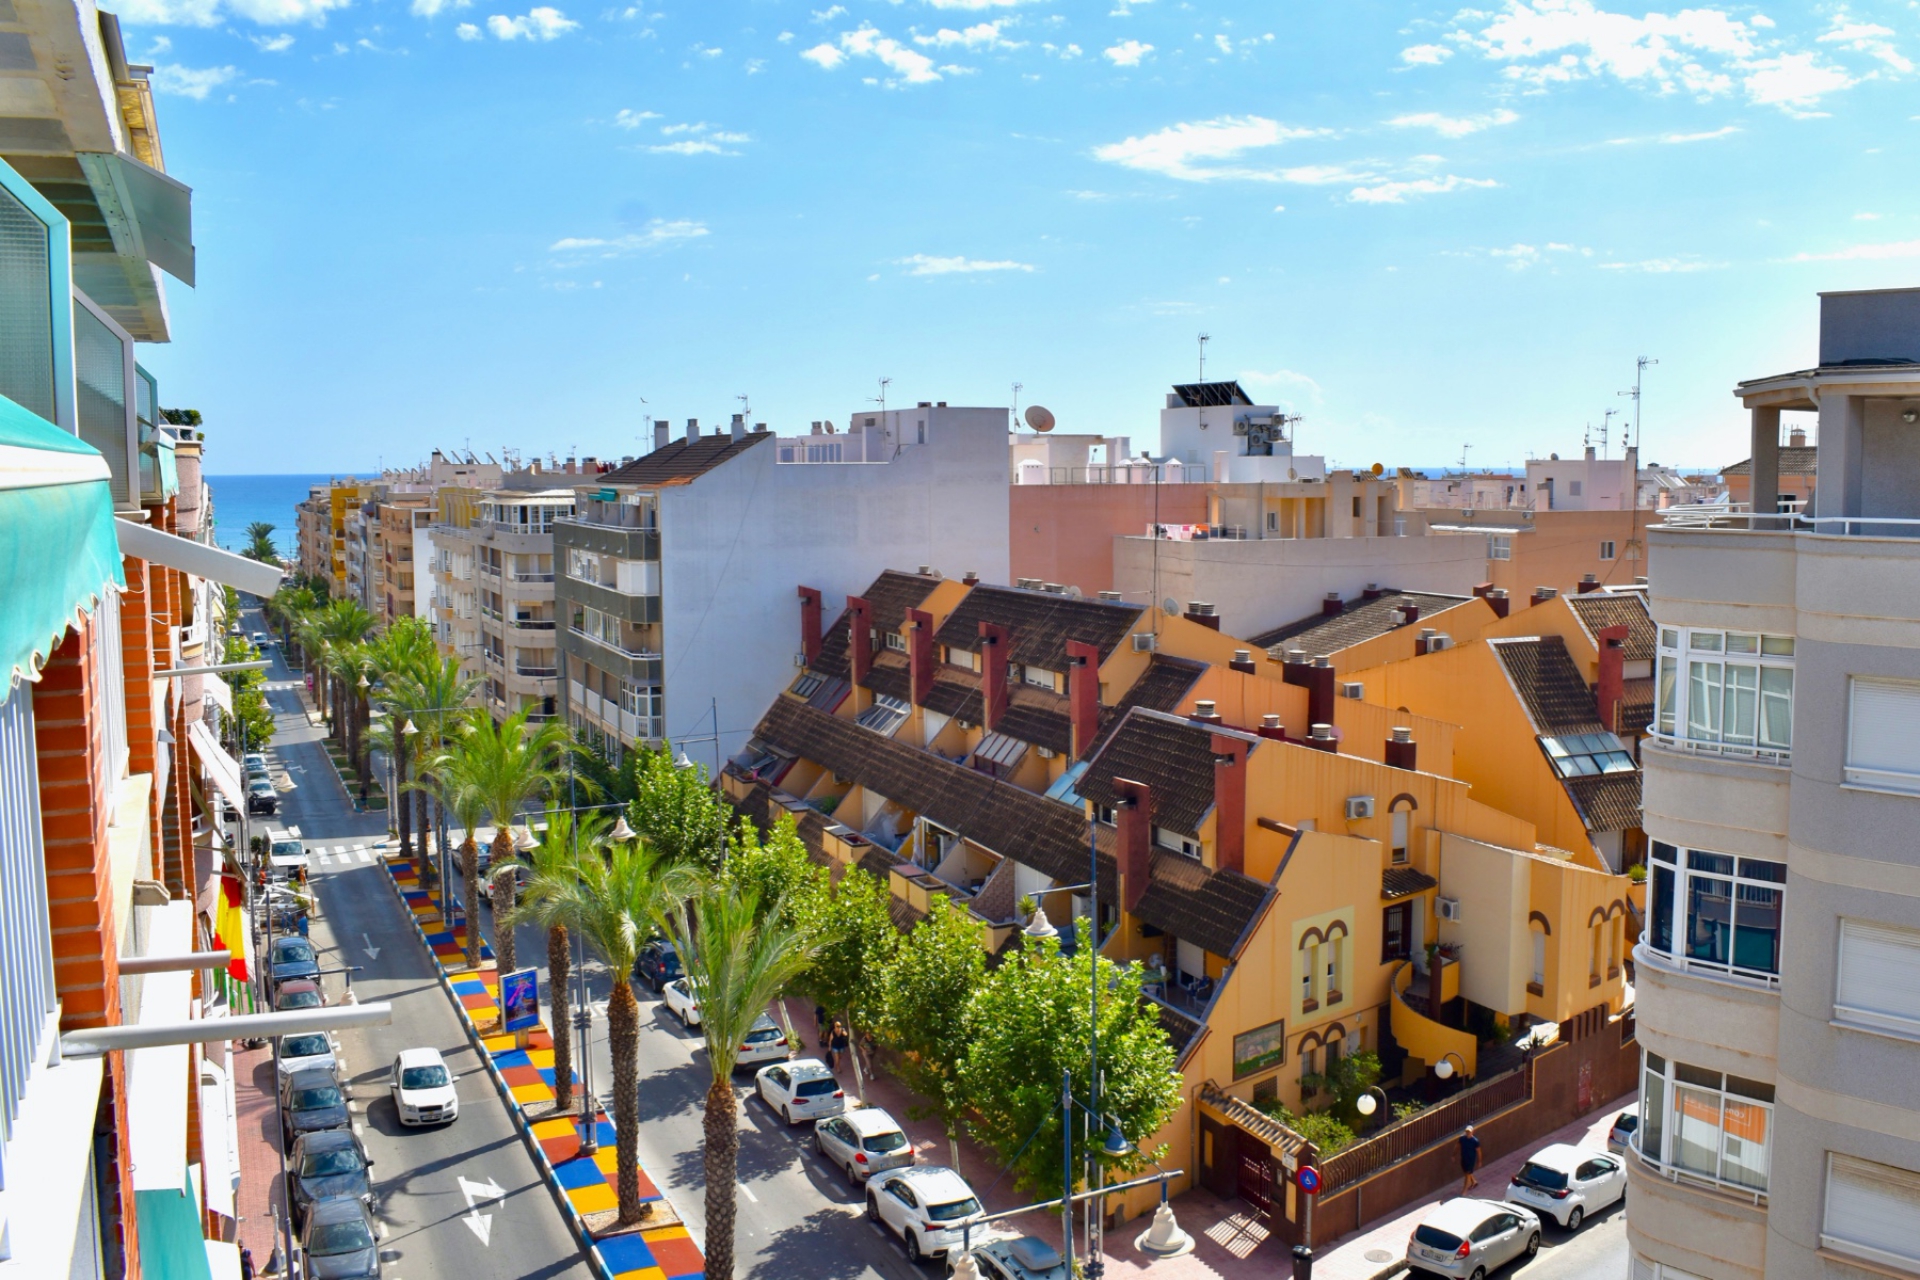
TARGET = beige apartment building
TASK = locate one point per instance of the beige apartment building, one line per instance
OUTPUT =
(1778, 978)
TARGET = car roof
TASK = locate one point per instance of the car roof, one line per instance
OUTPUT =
(291, 944)
(1463, 1213)
(293, 986)
(1030, 1253)
(311, 1078)
(805, 1068)
(762, 1022)
(938, 1183)
(325, 1138)
(335, 1209)
(1561, 1157)
(871, 1120)
(421, 1058)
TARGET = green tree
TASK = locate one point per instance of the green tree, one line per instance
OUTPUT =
(776, 870)
(1343, 1082)
(260, 543)
(1028, 1025)
(548, 902)
(850, 932)
(923, 1002)
(434, 698)
(249, 696)
(676, 810)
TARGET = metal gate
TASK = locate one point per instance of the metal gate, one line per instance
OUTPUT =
(1256, 1178)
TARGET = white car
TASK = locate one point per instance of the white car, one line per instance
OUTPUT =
(423, 1088)
(1567, 1183)
(1468, 1239)
(766, 1042)
(862, 1143)
(800, 1090)
(306, 1051)
(925, 1206)
(683, 1000)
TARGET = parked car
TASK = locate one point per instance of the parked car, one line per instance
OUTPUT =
(422, 1088)
(1021, 1258)
(259, 638)
(298, 993)
(658, 964)
(325, 1164)
(262, 798)
(289, 848)
(311, 1101)
(306, 1052)
(925, 1206)
(800, 1090)
(765, 1042)
(255, 763)
(292, 958)
(862, 1143)
(682, 1001)
(1626, 1128)
(339, 1242)
(1567, 1183)
(1467, 1239)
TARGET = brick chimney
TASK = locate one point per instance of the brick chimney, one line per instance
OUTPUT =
(1295, 669)
(1373, 591)
(1133, 817)
(1542, 594)
(1499, 601)
(1243, 661)
(662, 433)
(1203, 613)
(1332, 605)
(1402, 751)
(1589, 583)
(1612, 689)
(859, 637)
(1083, 694)
(1229, 803)
(1321, 738)
(1270, 727)
(1409, 612)
(920, 654)
(810, 624)
(1481, 588)
(993, 672)
(1320, 691)
(970, 578)
(693, 430)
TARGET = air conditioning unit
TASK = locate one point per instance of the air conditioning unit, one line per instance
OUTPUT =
(964, 724)
(1359, 807)
(1353, 689)
(800, 660)
(1439, 642)
(1447, 909)
(1143, 641)
(1047, 753)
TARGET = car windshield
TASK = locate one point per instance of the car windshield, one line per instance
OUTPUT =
(1538, 1175)
(286, 849)
(816, 1088)
(1435, 1238)
(316, 1098)
(327, 1164)
(885, 1142)
(423, 1078)
(339, 1237)
(300, 1000)
(953, 1210)
(304, 1046)
(763, 1035)
(1627, 1123)
(292, 949)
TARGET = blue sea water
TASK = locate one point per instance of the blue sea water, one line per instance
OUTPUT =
(238, 501)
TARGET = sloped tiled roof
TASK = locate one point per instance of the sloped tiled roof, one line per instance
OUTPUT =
(1360, 621)
(1607, 801)
(1636, 710)
(1404, 882)
(682, 461)
(890, 595)
(1803, 461)
(1038, 624)
(1037, 716)
(1600, 609)
(1550, 685)
(1161, 687)
(1211, 909)
(1171, 755)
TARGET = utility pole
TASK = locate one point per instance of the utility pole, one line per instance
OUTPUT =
(1204, 339)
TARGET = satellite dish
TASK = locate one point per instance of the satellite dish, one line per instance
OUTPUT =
(1039, 417)
(1170, 605)
(1076, 593)
(1378, 470)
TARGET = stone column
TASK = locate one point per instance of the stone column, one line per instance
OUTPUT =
(1764, 470)
(1842, 432)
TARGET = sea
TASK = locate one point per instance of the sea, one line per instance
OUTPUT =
(239, 501)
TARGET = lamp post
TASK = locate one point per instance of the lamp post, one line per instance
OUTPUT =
(1444, 1067)
(1366, 1106)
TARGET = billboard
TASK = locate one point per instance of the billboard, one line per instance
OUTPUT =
(520, 999)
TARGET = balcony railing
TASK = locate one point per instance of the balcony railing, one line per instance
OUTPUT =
(531, 624)
(619, 649)
(1647, 956)
(531, 577)
(537, 673)
(493, 659)
(1729, 750)
(1737, 516)
(488, 571)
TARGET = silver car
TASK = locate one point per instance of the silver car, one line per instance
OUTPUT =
(862, 1143)
(1470, 1239)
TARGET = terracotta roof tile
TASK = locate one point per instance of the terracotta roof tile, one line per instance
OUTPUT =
(1793, 462)
(891, 595)
(1360, 621)
(1607, 801)
(1038, 624)
(1211, 909)
(1163, 686)
(1404, 882)
(1551, 687)
(1599, 609)
(683, 460)
(1171, 755)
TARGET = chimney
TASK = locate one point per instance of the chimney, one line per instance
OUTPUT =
(993, 672)
(1499, 601)
(1133, 816)
(1321, 738)
(693, 430)
(926, 571)
(1409, 611)
(919, 655)
(1203, 613)
(1205, 712)
(1542, 594)
(1401, 749)
(1243, 661)
(1083, 694)
(1294, 669)
(1589, 453)
(662, 433)
(1270, 727)
(970, 579)
(860, 637)
(1110, 597)
(810, 624)
(1373, 591)
(1481, 589)
(1320, 690)
(1229, 803)
(1589, 583)
(1612, 689)
(1797, 438)
(739, 426)
(1332, 605)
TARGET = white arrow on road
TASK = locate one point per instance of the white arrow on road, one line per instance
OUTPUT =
(481, 1223)
(373, 953)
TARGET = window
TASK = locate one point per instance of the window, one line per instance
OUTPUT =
(1188, 845)
(1499, 546)
(1273, 522)
(582, 566)
(1606, 550)
(1879, 980)
(1573, 488)
(1309, 969)
(1726, 692)
(1356, 505)
(1579, 755)
(1872, 1211)
(896, 642)
(1538, 984)
(1039, 677)
(1715, 912)
(1704, 1125)
(1882, 751)
(1402, 819)
(1396, 932)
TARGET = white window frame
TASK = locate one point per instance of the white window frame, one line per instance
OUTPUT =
(1607, 549)
(1857, 1017)
(1039, 678)
(1682, 649)
(1898, 780)
(1839, 1164)
(896, 642)
(1683, 873)
(1659, 1086)
(1499, 546)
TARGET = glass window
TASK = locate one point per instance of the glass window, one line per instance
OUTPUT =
(1727, 911)
(1721, 1128)
(1743, 704)
(1653, 1107)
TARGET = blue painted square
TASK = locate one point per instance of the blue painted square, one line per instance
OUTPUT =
(607, 1136)
(579, 1173)
(553, 1082)
(625, 1253)
(470, 987)
(513, 1058)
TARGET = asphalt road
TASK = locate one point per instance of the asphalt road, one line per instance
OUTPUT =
(453, 1202)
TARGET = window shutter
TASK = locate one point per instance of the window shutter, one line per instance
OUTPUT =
(1879, 982)
(1872, 1211)
(1883, 748)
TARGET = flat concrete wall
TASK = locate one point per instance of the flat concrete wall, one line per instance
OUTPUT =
(1065, 532)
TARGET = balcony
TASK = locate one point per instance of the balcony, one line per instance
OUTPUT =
(623, 540)
(1421, 1036)
(536, 673)
(531, 624)
(488, 571)
(531, 577)
(628, 608)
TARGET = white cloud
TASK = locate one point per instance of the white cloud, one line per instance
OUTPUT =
(659, 232)
(1425, 55)
(1396, 191)
(982, 35)
(830, 13)
(1066, 53)
(755, 66)
(539, 23)
(1128, 53)
(1868, 38)
(1864, 253)
(467, 31)
(1453, 126)
(785, 37)
(909, 66)
(1867, 217)
(273, 44)
(207, 13)
(191, 82)
(433, 8)
(1519, 257)
(628, 118)
(825, 56)
(1795, 81)
(921, 264)
(1283, 378)
(1223, 44)
(975, 6)
(1191, 150)
(698, 139)
(1724, 131)
(706, 51)
(1661, 266)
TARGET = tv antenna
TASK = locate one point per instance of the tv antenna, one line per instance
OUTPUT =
(1639, 372)
(1606, 429)
(882, 397)
(1205, 338)
(746, 409)
(1463, 456)
(1017, 388)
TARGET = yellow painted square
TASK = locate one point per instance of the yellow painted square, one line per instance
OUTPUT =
(533, 1093)
(540, 1058)
(666, 1233)
(644, 1273)
(544, 1129)
(608, 1159)
(593, 1199)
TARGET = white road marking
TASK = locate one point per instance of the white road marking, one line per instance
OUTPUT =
(373, 952)
(366, 855)
(748, 1191)
(488, 1190)
(482, 1224)
(325, 861)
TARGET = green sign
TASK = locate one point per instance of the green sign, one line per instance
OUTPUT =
(1256, 1050)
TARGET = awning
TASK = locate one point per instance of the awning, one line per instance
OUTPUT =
(218, 690)
(219, 1162)
(223, 768)
(57, 550)
(172, 1246)
(155, 210)
(197, 558)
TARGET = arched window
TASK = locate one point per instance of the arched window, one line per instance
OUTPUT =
(1537, 928)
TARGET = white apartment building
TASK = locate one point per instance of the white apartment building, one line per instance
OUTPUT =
(1586, 483)
(1216, 425)
(1778, 979)
(676, 577)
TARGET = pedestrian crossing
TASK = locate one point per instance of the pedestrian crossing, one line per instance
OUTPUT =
(283, 684)
(326, 855)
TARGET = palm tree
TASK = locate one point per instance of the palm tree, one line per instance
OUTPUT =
(740, 959)
(260, 543)
(469, 806)
(433, 697)
(547, 903)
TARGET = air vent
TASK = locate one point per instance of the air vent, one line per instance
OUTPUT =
(1142, 641)
(1353, 689)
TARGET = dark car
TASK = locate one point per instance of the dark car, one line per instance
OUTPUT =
(311, 1101)
(262, 798)
(325, 1164)
(658, 964)
(293, 958)
(339, 1242)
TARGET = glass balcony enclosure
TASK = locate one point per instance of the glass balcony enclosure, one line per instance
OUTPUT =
(1725, 692)
(1704, 1126)
(1715, 913)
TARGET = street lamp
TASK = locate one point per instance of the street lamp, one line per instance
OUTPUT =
(1366, 1106)
(1444, 1067)
(621, 831)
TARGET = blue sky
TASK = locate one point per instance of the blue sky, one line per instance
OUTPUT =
(430, 222)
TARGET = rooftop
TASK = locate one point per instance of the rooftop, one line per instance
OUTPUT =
(1172, 755)
(680, 462)
(1600, 609)
(889, 596)
(1359, 621)
(1795, 460)
(1196, 395)
(1549, 683)
(1039, 624)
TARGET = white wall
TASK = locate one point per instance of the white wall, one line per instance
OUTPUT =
(424, 579)
(1491, 884)
(1606, 484)
(737, 543)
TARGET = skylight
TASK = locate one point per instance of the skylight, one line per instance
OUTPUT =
(885, 715)
(1582, 755)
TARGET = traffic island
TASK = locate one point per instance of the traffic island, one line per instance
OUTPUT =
(582, 1182)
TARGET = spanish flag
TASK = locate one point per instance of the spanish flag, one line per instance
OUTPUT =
(230, 926)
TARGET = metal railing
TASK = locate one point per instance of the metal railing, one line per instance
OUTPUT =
(531, 624)
(1737, 516)
(1676, 1173)
(537, 673)
(1437, 1124)
(531, 577)
(1665, 962)
(617, 648)
(1707, 747)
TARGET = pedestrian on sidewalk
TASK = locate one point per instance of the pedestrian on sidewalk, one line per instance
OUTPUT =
(820, 1025)
(1469, 1160)
(836, 1046)
(246, 1264)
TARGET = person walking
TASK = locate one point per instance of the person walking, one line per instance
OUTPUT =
(836, 1046)
(820, 1024)
(246, 1264)
(1469, 1160)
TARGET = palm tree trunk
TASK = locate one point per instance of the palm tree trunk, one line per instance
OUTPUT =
(470, 873)
(400, 799)
(623, 1037)
(503, 948)
(366, 745)
(722, 1150)
(559, 970)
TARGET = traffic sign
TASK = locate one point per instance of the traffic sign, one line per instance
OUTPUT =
(1308, 1179)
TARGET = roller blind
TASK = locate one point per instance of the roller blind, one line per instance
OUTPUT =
(1879, 982)
(1883, 747)
(1873, 1211)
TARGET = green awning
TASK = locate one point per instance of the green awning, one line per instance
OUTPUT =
(172, 1246)
(58, 548)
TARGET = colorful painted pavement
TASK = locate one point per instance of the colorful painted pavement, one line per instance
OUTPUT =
(525, 1075)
